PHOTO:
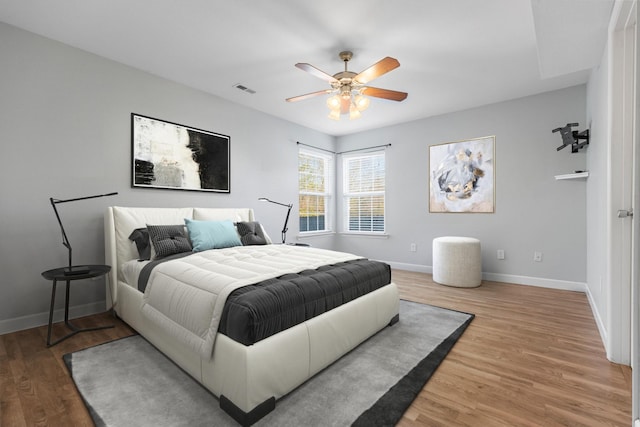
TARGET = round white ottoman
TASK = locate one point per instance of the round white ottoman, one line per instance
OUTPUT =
(457, 261)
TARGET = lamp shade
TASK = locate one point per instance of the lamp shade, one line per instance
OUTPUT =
(334, 115)
(333, 102)
(361, 102)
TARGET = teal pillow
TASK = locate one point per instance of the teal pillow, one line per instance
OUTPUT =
(212, 234)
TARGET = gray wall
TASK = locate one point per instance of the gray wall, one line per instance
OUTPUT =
(65, 132)
(534, 212)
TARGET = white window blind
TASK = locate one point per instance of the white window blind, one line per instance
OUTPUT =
(315, 172)
(364, 192)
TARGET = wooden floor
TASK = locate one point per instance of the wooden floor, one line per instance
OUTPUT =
(35, 386)
(531, 357)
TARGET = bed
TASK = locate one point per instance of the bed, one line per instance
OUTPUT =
(247, 377)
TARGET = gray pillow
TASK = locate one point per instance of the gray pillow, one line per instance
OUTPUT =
(140, 236)
(251, 233)
(168, 239)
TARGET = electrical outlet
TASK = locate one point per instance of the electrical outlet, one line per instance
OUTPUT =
(500, 253)
(537, 256)
(413, 247)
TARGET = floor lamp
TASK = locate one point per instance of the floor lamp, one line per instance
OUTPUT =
(72, 270)
(286, 220)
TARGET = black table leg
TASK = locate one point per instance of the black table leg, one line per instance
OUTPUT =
(69, 325)
(66, 304)
(53, 303)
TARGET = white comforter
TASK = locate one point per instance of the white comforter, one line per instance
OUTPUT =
(186, 296)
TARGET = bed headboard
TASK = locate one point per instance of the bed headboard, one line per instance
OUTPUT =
(119, 222)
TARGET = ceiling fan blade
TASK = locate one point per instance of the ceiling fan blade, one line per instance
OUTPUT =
(308, 95)
(376, 70)
(316, 72)
(383, 93)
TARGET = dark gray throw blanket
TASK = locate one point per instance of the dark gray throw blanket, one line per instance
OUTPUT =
(255, 312)
(143, 278)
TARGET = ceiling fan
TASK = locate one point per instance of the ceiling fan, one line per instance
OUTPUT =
(349, 88)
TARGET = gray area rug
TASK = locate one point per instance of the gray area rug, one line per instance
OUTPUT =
(128, 382)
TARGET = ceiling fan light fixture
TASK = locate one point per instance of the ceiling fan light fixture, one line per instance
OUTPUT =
(333, 102)
(361, 102)
(334, 114)
(348, 88)
(354, 113)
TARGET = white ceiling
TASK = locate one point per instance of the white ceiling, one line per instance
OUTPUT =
(454, 54)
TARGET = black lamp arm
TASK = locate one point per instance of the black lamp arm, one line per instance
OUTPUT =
(286, 220)
(65, 239)
(264, 199)
(284, 227)
(56, 201)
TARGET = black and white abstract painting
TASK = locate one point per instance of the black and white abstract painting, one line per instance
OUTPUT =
(169, 155)
(462, 176)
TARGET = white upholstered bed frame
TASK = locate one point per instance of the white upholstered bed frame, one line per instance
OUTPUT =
(247, 379)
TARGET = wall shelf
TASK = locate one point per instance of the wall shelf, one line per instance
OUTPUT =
(578, 175)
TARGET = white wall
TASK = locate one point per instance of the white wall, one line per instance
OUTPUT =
(65, 132)
(534, 212)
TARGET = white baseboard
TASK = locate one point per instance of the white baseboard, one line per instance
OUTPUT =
(596, 316)
(536, 281)
(505, 278)
(410, 267)
(35, 320)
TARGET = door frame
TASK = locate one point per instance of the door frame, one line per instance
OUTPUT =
(622, 123)
(623, 344)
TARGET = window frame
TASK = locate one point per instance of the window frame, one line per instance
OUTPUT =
(328, 159)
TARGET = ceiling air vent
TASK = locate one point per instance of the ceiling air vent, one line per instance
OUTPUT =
(244, 88)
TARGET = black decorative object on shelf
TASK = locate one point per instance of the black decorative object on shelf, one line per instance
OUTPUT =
(575, 139)
(72, 270)
(286, 220)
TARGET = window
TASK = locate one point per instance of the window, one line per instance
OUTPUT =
(364, 188)
(315, 187)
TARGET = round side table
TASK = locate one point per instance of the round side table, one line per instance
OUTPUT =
(78, 272)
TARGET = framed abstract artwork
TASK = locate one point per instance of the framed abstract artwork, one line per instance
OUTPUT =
(173, 156)
(462, 176)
